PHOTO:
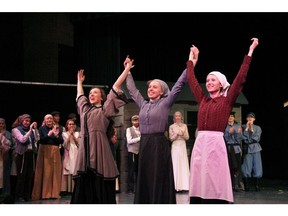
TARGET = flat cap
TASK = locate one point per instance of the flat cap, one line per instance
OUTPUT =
(251, 114)
(134, 117)
(54, 113)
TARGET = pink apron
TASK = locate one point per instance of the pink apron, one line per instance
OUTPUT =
(209, 169)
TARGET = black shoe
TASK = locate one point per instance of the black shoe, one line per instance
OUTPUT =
(257, 188)
(236, 190)
(63, 193)
(246, 182)
(20, 199)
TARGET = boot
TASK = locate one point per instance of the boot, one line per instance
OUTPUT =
(246, 184)
(235, 183)
(241, 186)
(257, 188)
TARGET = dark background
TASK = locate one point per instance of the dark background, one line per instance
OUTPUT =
(159, 43)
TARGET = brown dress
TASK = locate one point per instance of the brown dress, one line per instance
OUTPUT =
(47, 180)
(96, 169)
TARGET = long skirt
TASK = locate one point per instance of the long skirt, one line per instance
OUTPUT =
(67, 183)
(180, 165)
(155, 182)
(93, 189)
(25, 174)
(1, 171)
(209, 168)
(47, 181)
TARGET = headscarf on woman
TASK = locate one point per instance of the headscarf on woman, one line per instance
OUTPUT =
(222, 79)
(163, 85)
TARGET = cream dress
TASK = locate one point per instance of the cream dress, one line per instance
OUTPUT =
(179, 155)
(69, 161)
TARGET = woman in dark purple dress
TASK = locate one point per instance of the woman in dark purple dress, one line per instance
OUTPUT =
(155, 182)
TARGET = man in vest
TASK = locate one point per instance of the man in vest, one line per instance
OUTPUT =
(133, 143)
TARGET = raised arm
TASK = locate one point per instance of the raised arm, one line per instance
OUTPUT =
(240, 79)
(253, 46)
(194, 85)
(194, 53)
(80, 80)
(128, 64)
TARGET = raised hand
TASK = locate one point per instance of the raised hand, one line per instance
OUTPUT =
(81, 76)
(128, 63)
(194, 53)
(254, 43)
(253, 46)
(33, 125)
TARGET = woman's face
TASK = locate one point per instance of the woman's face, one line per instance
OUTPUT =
(154, 90)
(212, 84)
(48, 120)
(95, 96)
(26, 122)
(2, 125)
(71, 125)
(177, 117)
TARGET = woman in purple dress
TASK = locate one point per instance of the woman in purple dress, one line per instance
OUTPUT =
(155, 182)
(96, 169)
(210, 180)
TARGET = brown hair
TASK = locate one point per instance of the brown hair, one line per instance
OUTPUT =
(103, 94)
(67, 122)
(20, 119)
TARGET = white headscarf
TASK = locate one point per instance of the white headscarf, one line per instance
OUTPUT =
(164, 86)
(222, 79)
